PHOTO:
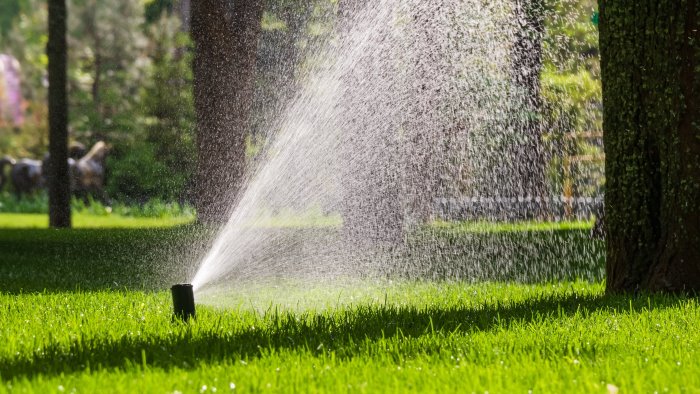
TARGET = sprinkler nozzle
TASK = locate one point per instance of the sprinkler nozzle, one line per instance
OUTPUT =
(183, 301)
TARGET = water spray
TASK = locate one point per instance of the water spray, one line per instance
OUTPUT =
(183, 301)
(403, 117)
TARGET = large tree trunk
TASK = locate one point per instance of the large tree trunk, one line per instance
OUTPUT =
(226, 38)
(528, 177)
(650, 54)
(58, 178)
(371, 203)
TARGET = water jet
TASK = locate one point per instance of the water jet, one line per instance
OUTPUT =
(408, 116)
(183, 301)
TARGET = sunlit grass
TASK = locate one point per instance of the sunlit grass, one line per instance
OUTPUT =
(428, 337)
(85, 220)
(496, 227)
(314, 218)
(88, 310)
(297, 220)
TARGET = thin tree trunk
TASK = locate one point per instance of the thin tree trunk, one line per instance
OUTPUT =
(650, 53)
(59, 183)
(96, 84)
(183, 9)
(226, 39)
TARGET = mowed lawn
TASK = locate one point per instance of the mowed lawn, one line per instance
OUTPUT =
(85, 220)
(88, 310)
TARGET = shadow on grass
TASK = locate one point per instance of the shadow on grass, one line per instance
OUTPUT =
(39, 260)
(153, 259)
(344, 334)
(63, 261)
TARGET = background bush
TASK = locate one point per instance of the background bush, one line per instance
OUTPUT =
(154, 208)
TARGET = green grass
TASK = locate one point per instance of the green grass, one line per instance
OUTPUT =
(86, 220)
(491, 227)
(85, 311)
(314, 219)
(39, 203)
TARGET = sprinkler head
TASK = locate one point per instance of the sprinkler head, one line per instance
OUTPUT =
(183, 301)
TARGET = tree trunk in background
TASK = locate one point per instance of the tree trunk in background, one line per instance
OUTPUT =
(348, 8)
(58, 178)
(528, 177)
(650, 53)
(225, 34)
(371, 204)
(183, 10)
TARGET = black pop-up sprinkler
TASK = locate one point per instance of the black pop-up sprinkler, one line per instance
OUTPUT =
(183, 301)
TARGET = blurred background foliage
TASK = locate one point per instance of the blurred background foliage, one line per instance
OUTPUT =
(130, 83)
(572, 98)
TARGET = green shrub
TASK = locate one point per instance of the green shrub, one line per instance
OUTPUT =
(36, 203)
(155, 209)
(39, 203)
(136, 176)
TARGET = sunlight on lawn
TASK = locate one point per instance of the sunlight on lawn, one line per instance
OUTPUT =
(81, 220)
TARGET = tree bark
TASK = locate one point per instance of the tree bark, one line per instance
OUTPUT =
(226, 37)
(371, 205)
(183, 10)
(58, 177)
(528, 176)
(650, 54)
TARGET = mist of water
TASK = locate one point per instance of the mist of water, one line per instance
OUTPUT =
(406, 112)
